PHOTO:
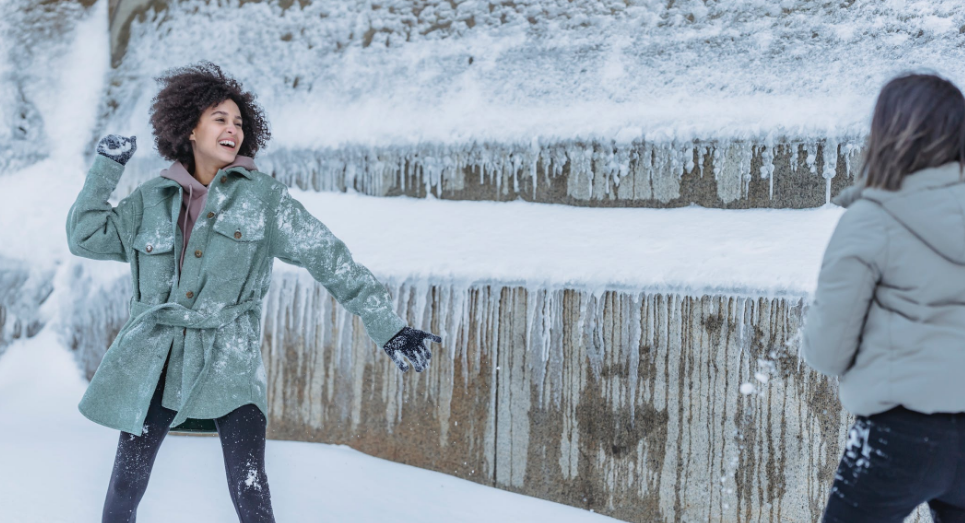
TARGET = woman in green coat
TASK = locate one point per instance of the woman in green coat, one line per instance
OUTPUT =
(201, 239)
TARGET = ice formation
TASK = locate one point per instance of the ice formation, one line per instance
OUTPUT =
(361, 94)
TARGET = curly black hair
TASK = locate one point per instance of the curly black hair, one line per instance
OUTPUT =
(185, 93)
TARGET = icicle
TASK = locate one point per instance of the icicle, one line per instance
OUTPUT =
(830, 150)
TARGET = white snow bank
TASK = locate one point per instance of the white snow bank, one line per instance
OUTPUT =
(690, 250)
(34, 200)
(403, 72)
(56, 466)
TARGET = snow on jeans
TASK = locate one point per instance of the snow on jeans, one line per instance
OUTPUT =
(897, 460)
(242, 433)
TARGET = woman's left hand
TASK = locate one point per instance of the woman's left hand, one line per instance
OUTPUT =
(410, 343)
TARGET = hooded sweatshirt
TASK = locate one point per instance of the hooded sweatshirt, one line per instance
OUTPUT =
(196, 196)
(888, 316)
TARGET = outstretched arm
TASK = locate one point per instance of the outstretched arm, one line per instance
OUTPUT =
(300, 239)
(95, 229)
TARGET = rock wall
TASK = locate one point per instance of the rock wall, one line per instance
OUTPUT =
(720, 174)
(625, 403)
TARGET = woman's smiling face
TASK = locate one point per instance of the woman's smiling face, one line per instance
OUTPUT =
(218, 136)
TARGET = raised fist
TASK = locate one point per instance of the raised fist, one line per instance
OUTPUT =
(117, 148)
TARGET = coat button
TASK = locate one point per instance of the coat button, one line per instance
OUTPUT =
(237, 235)
(197, 254)
(149, 248)
(210, 215)
(224, 179)
(190, 295)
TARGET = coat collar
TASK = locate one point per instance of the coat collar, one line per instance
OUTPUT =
(242, 165)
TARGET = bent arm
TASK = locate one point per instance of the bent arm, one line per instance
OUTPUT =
(96, 229)
(846, 285)
(302, 240)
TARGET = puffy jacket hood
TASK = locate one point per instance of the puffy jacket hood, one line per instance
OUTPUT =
(931, 205)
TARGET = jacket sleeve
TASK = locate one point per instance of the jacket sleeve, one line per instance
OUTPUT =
(302, 240)
(95, 229)
(849, 274)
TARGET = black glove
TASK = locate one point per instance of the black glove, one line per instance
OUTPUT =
(117, 148)
(409, 342)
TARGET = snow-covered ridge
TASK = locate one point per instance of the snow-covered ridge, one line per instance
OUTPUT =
(690, 251)
(334, 74)
(35, 37)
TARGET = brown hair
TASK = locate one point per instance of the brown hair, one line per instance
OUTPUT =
(185, 93)
(919, 122)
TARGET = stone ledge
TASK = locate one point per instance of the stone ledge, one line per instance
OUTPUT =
(715, 174)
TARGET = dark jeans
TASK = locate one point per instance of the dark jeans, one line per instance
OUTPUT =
(242, 433)
(897, 460)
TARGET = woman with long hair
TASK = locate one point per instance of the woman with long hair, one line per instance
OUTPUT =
(200, 239)
(888, 317)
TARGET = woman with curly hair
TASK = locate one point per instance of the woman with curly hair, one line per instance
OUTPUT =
(200, 239)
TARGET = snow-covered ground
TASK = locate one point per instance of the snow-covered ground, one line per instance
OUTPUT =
(55, 466)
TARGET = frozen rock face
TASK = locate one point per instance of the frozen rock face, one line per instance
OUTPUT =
(23, 290)
(31, 41)
(722, 174)
(629, 404)
(646, 103)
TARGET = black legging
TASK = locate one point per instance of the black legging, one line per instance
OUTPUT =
(242, 433)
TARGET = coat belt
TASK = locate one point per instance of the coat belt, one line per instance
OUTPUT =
(177, 315)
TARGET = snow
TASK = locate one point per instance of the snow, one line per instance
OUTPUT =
(56, 466)
(35, 200)
(400, 72)
(690, 250)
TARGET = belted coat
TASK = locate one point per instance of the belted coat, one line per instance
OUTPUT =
(207, 313)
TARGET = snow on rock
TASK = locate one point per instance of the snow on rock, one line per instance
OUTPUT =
(23, 290)
(365, 95)
(335, 73)
(690, 250)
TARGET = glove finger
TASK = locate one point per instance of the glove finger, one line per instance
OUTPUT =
(399, 360)
(427, 353)
(133, 143)
(433, 337)
(417, 361)
(423, 356)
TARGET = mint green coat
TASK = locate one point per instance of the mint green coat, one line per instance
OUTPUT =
(209, 316)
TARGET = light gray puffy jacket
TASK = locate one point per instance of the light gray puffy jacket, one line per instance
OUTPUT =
(888, 317)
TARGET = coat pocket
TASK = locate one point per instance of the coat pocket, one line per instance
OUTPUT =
(155, 263)
(234, 246)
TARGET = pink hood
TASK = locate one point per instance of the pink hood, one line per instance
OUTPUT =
(197, 195)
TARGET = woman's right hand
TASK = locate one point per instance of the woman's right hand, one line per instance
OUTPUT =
(117, 148)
